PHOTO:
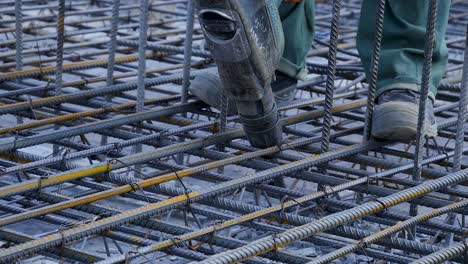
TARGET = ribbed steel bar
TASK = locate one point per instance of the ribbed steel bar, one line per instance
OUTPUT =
(374, 72)
(374, 253)
(462, 112)
(87, 94)
(129, 187)
(79, 115)
(19, 34)
(123, 162)
(113, 42)
(368, 241)
(72, 33)
(444, 255)
(188, 41)
(112, 51)
(166, 227)
(272, 242)
(19, 41)
(60, 41)
(142, 39)
(188, 50)
(65, 254)
(49, 136)
(267, 211)
(98, 10)
(59, 56)
(257, 225)
(368, 189)
(293, 219)
(134, 159)
(243, 197)
(125, 143)
(73, 66)
(8, 145)
(443, 156)
(331, 181)
(99, 210)
(330, 84)
(460, 132)
(424, 94)
(152, 209)
(9, 235)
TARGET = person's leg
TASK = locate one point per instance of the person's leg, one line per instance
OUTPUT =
(401, 65)
(402, 54)
(298, 28)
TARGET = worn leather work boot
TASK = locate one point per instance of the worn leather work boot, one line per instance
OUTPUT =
(396, 116)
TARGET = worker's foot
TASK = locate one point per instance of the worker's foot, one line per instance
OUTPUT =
(208, 88)
(284, 88)
(396, 116)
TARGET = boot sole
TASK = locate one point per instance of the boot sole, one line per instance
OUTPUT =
(398, 121)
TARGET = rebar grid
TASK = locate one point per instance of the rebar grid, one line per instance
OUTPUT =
(104, 157)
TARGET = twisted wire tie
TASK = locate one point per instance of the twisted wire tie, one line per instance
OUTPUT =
(39, 184)
(177, 241)
(215, 231)
(327, 190)
(62, 158)
(362, 246)
(187, 191)
(16, 135)
(117, 147)
(31, 107)
(286, 199)
(108, 169)
(135, 186)
(369, 180)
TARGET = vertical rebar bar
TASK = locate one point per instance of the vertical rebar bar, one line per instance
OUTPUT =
(224, 106)
(462, 111)
(374, 71)
(19, 34)
(188, 51)
(59, 57)
(141, 55)
(187, 61)
(331, 70)
(19, 41)
(112, 50)
(59, 51)
(460, 133)
(140, 104)
(113, 42)
(424, 94)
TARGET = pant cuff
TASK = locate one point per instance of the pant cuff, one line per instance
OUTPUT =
(292, 70)
(403, 86)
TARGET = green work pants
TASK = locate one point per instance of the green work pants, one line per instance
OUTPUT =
(402, 53)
